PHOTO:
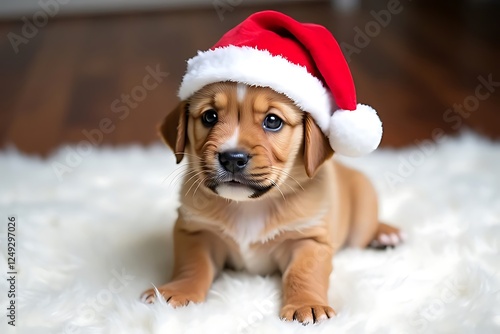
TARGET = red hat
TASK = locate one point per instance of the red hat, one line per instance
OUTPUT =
(300, 60)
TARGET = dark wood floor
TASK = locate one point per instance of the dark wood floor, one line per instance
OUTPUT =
(65, 79)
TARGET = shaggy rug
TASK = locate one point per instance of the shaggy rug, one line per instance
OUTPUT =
(94, 230)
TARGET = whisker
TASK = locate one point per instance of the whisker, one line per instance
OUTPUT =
(189, 165)
(284, 181)
(289, 186)
(196, 174)
(277, 187)
(177, 169)
(178, 172)
(194, 182)
(288, 175)
(181, 175)
(185, 195)
(199, 184)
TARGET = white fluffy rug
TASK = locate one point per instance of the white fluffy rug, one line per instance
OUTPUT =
(90, 244)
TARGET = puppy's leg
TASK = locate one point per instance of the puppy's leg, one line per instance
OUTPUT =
(305, 281)
(198, 258)
(365, 228)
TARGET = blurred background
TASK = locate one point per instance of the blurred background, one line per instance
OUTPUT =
(107, 71)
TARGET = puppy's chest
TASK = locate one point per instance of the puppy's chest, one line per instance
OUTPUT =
(246, 227)
(254, 228)
(253, 260)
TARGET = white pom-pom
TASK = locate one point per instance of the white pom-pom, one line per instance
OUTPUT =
(355, 132)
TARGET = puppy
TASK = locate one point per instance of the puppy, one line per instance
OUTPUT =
(262, 194)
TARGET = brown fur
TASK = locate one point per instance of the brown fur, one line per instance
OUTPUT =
(312, 210)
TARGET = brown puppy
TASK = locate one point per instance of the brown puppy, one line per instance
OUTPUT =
(259, 196)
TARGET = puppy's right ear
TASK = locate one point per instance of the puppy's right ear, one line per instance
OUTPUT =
(317, 148)
(173, 130)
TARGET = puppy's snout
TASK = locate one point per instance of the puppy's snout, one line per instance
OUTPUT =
(233, 161)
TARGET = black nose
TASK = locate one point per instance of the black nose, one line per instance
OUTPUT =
(233, 161)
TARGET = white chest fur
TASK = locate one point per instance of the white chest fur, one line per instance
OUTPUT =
(253, 260)
(247, 224)
(247, 221)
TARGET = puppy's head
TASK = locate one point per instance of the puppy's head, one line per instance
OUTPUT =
(242, 142)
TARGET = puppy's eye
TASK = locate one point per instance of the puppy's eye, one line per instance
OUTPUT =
(272, 123)
(209, 118)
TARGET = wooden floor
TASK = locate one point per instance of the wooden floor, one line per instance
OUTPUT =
(65, 80)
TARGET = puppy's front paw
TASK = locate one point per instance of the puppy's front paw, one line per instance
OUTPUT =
(306, 314)
(387, 236)
(175, 298)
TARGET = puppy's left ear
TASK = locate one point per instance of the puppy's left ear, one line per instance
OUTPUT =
(173, 130)
(317, 148)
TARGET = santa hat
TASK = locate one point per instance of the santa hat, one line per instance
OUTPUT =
(300, 60)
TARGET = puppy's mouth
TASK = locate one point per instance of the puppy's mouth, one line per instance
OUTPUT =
(235, 183)
(238, 188)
